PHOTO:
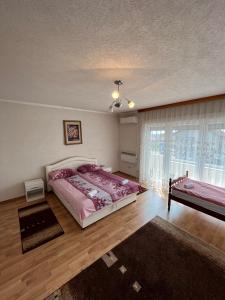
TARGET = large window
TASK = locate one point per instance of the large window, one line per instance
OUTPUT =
(214, 155)
(186, 138)
(215, 141)
(184, 150)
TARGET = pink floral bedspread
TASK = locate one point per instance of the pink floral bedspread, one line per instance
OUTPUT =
(111, 184)
(109, 187)
(100, 199)
(82, 206)
(202, 190)
(78, 198)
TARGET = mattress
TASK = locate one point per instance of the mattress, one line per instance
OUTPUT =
(203, 203)
(75, 191)
(82, 206)
(202, 191)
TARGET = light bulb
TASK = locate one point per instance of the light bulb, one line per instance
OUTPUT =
(115, 95)
(131, 104)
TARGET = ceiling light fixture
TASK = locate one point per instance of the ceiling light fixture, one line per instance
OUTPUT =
(131, 104)
(116, 95)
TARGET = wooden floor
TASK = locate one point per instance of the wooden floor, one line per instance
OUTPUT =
(39, 272)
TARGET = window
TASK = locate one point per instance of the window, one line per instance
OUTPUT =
(215, 141)
(184, 138)
(185, 141)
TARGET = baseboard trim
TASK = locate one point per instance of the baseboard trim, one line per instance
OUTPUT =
(14, 198)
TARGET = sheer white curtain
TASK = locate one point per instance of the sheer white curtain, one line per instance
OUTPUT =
(189, 137)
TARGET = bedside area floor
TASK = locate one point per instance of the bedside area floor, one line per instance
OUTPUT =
(38, 273)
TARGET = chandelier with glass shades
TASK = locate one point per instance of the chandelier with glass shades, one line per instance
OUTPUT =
(118, 99)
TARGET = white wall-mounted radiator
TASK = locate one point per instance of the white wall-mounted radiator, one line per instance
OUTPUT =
(128, 157)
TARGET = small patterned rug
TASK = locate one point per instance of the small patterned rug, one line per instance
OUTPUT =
(38, 225)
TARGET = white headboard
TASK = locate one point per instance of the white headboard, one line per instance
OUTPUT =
(72, 162)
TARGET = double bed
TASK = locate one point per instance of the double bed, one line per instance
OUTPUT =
(207, 198)
(75, 191)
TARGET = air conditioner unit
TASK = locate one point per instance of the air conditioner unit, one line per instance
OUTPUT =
(129, 120)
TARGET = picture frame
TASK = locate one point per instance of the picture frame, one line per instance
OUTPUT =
(72, 132)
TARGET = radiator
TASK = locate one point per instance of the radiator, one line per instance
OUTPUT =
(128, 157)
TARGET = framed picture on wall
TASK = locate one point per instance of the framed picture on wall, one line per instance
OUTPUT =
(72, 132)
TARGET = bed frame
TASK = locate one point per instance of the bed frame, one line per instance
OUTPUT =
(188, 203)
(75, 162)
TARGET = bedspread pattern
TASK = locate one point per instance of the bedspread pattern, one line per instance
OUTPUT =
(75, 192)
(109, 187)
(111, 184)
(101, 199)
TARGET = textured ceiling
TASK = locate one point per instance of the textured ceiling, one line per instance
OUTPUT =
(68, 53)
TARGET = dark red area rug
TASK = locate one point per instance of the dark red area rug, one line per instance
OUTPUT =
(159, 261)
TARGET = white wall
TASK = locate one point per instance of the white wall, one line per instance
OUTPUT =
(32, 137)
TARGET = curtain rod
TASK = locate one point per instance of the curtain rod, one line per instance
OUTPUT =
(185, 102)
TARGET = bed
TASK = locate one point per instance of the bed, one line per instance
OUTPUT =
(201, 196)
(77, 203)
